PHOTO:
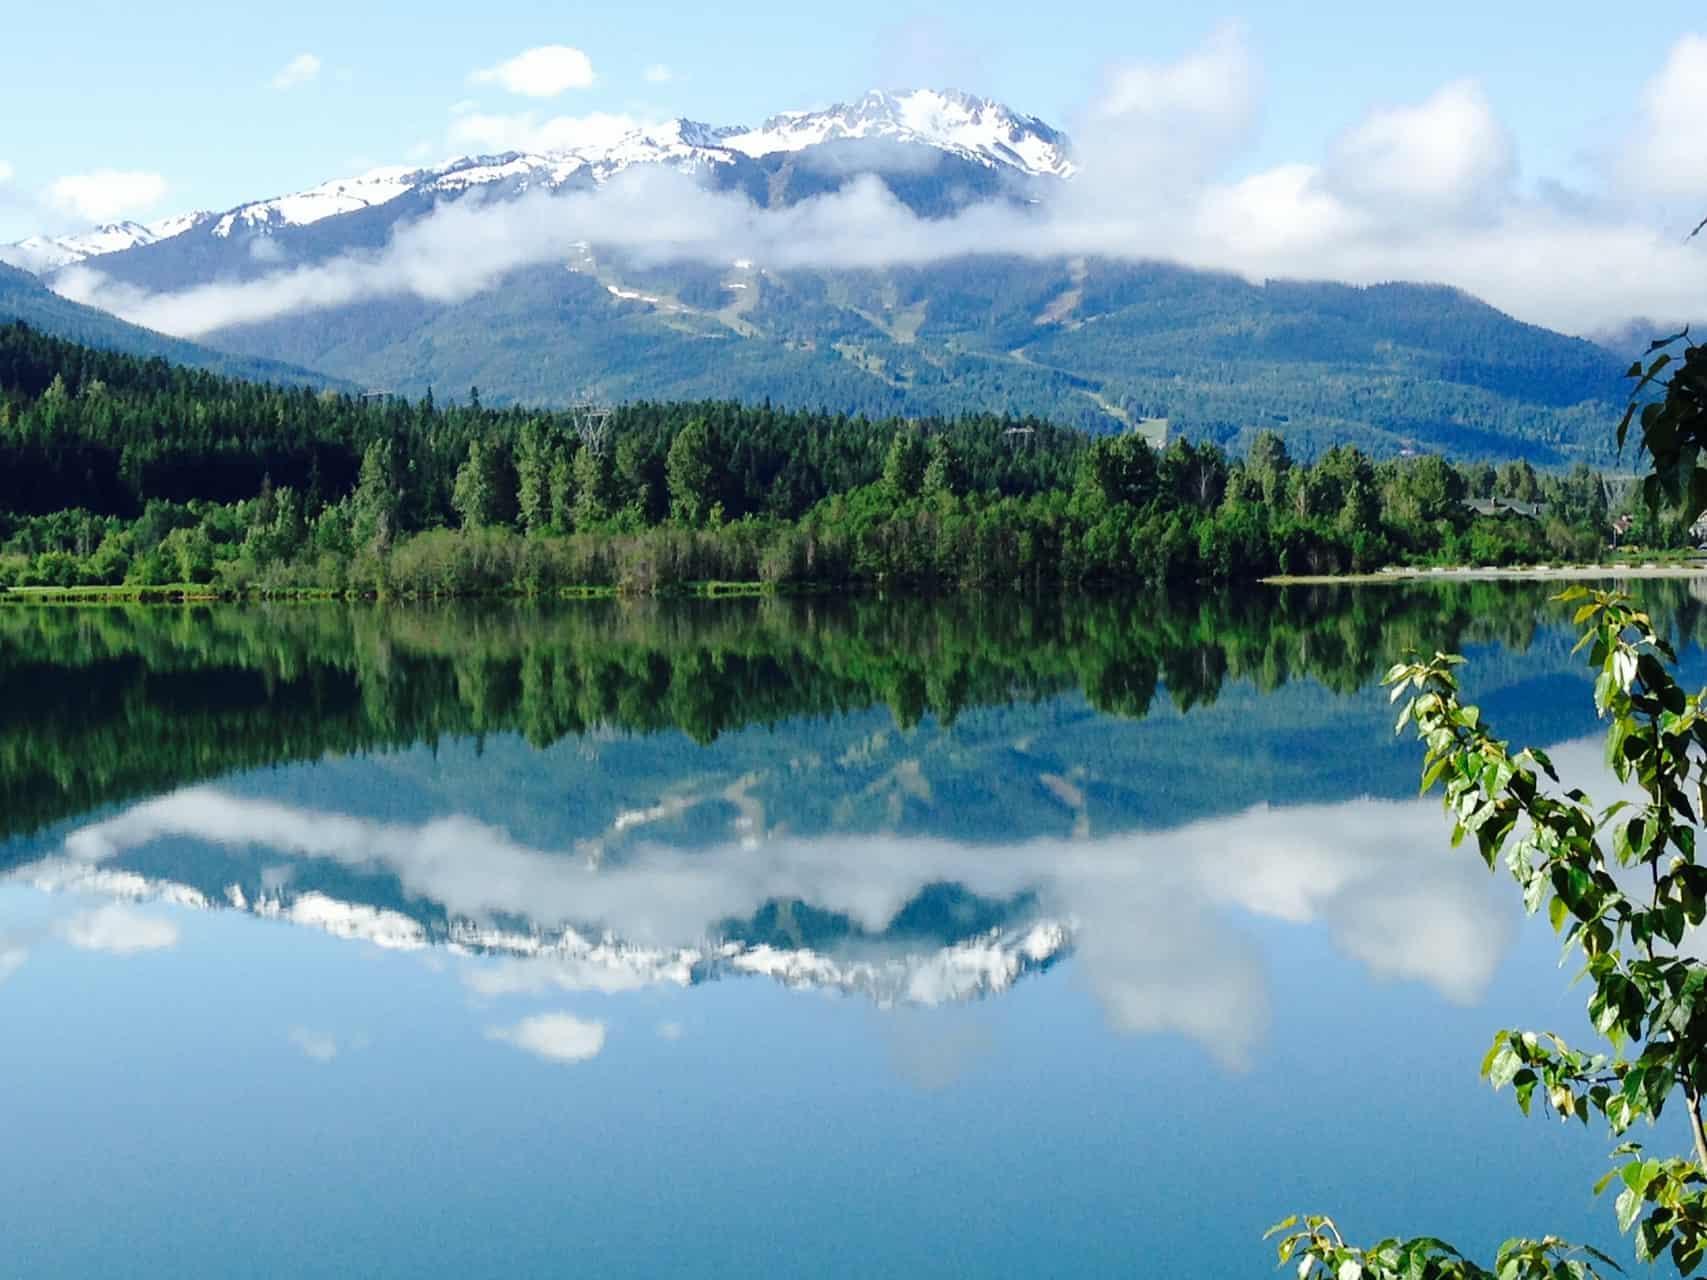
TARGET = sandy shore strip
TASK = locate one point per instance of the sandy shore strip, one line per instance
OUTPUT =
(1518, 573)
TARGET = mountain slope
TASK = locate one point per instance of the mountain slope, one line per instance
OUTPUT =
(1105, 345)
(24, 297)
(1102, 345)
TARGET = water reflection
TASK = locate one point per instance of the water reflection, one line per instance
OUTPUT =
(1157, 917)
(368, 887)
(100, 706)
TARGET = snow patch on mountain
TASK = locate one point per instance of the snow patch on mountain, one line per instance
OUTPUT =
(966, 970)
(49, 253)
(342, 195)
(976, 129)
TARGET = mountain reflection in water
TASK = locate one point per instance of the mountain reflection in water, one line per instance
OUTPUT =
(1194, 814)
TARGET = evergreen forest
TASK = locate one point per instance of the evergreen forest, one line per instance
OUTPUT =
(120, 471)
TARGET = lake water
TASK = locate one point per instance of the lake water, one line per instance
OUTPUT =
(980, 937)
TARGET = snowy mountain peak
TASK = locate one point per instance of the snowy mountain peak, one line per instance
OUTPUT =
(48, 253)
(973, 129)
(977, 128)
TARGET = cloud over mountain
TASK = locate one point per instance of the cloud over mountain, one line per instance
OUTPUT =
(108, 193)
(1427, 190)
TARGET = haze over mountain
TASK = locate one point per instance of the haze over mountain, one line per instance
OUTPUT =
(895, 255)
(24, 297)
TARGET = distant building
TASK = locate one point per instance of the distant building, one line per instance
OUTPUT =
(1505, 507)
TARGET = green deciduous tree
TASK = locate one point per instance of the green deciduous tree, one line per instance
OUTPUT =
(594, 487)
(1621, 882)
(904, 466)
(942, 476)
(689, 470)
(483, 493)
(533, 477)
(377, 498)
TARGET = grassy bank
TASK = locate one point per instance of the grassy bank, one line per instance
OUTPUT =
(190, 593)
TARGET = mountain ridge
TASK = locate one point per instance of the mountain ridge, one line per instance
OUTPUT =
(979, 130)
(1100, 343)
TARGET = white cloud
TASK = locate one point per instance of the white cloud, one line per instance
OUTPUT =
(1444, 157)
(316, 1045)
(298, 71)
(6, 171)
(1159, 125)
(106, 194)
(670, 1031)
(556, 1037)
(1425, 191)
(11, 960)
(544, 72)
(563, 973)
(658, 73)
(1161, 916)
(119, 930)
(1663, 155)
(525, 131)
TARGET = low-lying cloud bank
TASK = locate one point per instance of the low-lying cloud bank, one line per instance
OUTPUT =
(1428, 191)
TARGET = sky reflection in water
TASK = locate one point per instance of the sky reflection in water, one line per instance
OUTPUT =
(785, 1001)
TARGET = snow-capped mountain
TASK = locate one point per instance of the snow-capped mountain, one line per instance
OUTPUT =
(48, 253)
(975, 128)
(976, 132)
(969, 968)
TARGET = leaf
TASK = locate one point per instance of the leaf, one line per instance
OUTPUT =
(1628, 1207)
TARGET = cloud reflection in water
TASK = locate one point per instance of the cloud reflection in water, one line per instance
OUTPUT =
(1155, 915)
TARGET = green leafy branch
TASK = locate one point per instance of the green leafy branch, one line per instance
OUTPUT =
(1623, 887)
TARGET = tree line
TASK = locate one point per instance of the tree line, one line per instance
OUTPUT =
(119, 470)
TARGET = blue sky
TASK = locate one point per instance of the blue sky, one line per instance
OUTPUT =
(170, 89)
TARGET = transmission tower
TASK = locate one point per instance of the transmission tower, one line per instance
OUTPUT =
(592, 422)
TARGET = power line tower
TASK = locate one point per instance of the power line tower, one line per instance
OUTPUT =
(591, 419)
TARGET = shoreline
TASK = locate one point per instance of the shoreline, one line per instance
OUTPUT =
(187, 593)
(1512, 573)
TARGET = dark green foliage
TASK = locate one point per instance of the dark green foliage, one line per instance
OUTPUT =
(174, 475)
(101, 705)
(691, 472)
(1673, 426)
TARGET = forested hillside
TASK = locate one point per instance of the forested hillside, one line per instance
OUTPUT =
(25, 299)
(116, 470)
(1096, 344)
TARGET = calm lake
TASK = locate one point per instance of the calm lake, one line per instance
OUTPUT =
(975, 937)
